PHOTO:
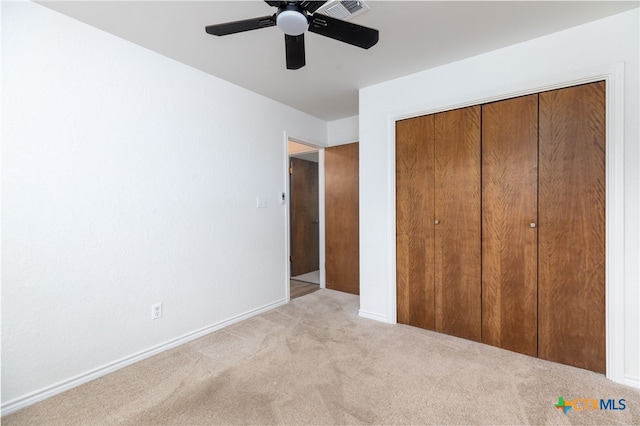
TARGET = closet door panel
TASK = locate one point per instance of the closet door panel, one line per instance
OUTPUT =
(457, 235)
(509, 208)
(571, 287)
(414, 222)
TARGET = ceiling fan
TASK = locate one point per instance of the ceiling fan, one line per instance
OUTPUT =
(294, 18)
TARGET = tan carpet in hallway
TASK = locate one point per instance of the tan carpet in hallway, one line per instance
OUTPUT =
(299, 288)
(315, 361)
(310, 277)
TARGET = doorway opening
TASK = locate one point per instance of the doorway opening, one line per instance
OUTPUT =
(304, 172)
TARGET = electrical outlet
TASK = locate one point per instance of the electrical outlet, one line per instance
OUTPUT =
(156, 311)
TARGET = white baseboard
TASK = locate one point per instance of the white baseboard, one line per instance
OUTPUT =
(49, 391)
(633, 381)
(373, 316)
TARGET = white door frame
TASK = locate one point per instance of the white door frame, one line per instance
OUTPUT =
(287, 218)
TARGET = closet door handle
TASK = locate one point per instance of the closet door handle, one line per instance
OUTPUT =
(436, 221)
(532, 224)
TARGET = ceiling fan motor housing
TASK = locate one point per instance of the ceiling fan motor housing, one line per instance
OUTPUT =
(292, 20)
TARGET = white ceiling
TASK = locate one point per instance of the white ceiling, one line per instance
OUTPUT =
(414, 36)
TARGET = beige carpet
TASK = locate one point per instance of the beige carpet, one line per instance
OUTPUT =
(315, 361)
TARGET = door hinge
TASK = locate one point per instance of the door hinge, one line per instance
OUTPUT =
(290, 170)
(290, 259)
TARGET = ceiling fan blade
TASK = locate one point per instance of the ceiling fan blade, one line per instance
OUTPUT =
(344, 31)
(240, 26)
(294, 46)
(275, 3)
(311, 6)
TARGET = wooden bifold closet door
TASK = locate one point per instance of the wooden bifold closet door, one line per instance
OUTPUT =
(509, 218)
(571, 290)
(500, 224)
(457, 222)
(438, 222)
(415, 231)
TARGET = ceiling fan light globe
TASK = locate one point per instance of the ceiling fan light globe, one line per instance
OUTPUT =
(291, 22)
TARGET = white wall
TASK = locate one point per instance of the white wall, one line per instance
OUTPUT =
(342, 131)
(592, 46)
(127, 179)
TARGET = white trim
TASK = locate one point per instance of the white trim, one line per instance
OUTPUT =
(65, 385)
(615, 229)
(391, 214)
(613, 75)
(373, 316)
(287, 231)
(633, 381)
(322, 230)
